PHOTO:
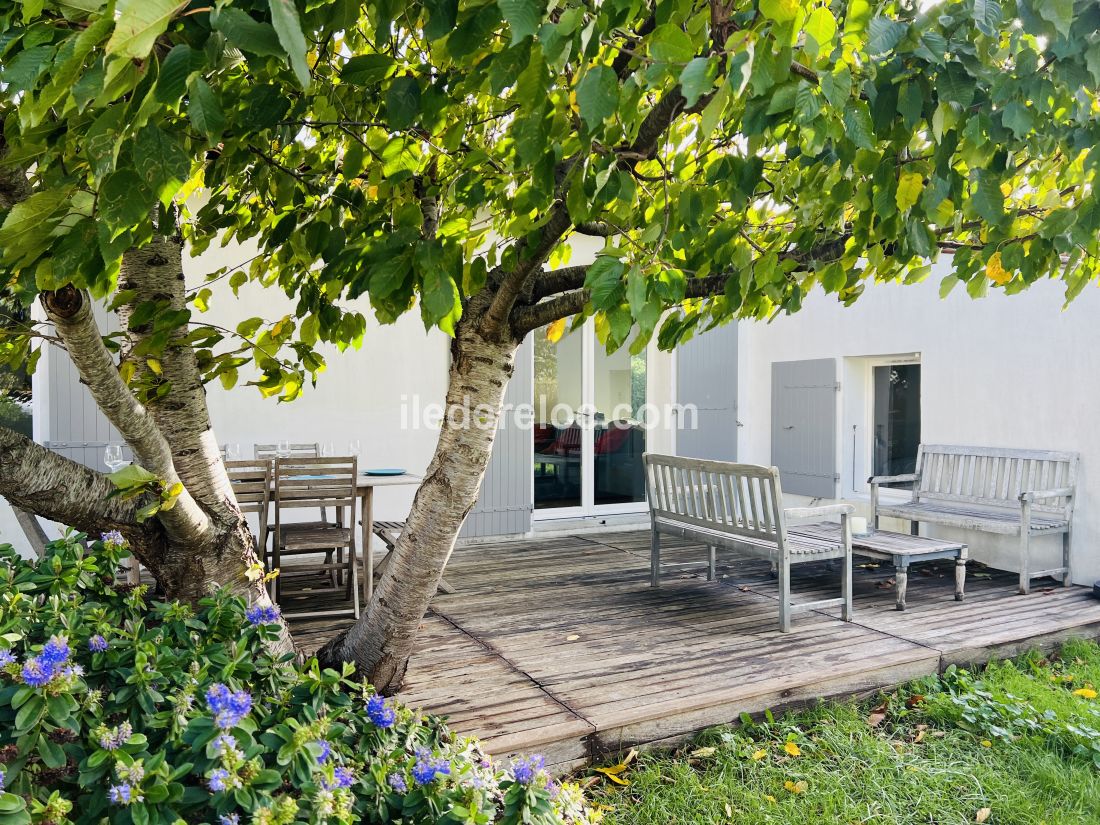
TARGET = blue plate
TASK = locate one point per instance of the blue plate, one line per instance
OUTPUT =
(385, 471)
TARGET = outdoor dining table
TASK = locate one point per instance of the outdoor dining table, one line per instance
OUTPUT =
(364, 489)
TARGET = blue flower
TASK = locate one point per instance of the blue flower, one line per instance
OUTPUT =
(3, 779)
(428, 767)
(229, 819)
(229, 708)
(397, 782)
(525, 770)
(262, 614)
(343, 777)
(326, 751)
(97, 644)
(6, 658)
(113, 537)
(219, 780)
(55, 652)
(380, 713)
(121, 794)
(114, 738)
(36, 674)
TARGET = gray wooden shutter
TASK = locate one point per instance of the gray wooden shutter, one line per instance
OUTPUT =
(506, 499)
(75, 426)
(706, 377)
(804, 426)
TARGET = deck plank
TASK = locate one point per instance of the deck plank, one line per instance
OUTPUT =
(558, 645)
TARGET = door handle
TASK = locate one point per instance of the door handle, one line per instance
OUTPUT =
(791, 427)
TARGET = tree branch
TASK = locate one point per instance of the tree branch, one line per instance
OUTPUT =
(557, 280)
(70, 310)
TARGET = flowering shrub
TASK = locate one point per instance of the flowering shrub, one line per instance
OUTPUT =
(114, 708)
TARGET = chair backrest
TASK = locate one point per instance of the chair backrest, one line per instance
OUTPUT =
(743, 499)
(315, 482)
(251, 482)
(994, 476)
(271, 451)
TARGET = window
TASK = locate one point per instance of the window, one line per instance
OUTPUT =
(896, 418)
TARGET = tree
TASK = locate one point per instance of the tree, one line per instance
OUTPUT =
(440, 155)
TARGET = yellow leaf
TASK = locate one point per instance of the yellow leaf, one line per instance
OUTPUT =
(555, 331)
(796, 787)
(126, 371)
(983, 814)
(1006, 188)
(701, 752)
(154, 365)
(910, 185)
(986, 743)
(758, 755)
(572, 637)
(614, 777)
(770, 798)
(1085, 693)
(995, 271)
(779, 10)
(792, 749)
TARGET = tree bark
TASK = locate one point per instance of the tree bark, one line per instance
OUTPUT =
(380, 643)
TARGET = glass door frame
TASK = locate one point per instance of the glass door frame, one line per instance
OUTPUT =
(588, 507)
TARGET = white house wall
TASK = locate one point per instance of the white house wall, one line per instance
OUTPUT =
(1011, 371)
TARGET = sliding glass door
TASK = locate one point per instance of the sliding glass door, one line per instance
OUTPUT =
(589, 435)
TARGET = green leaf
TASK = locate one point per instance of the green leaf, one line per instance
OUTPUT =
(139, 24)
(821, 29)
(783, 98)
(174, 73)
(885, 34)
(857, 124)
(522, 16)
(284, 16)
(367, 69)
(160, 162)
(121, 201)
(697, 79)
(402, 102)
(910, 104)
(986, 196)
(132, 475)
(837, 87)
(24, 235)
(443, 14)
(1057, 12)
(598, 95)
(987, 16)
(245, 32)
(670, 44)
(780, 11)
(1017, 117)
(204, 110)
(604, 280)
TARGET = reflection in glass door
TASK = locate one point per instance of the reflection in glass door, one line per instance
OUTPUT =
(589, 435)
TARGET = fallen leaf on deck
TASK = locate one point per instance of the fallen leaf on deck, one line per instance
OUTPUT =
(792, 749)
(983, 814)
(702, 752)
(572, 637)
(796, 787)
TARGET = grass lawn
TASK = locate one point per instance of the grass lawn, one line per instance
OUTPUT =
(1017, 743)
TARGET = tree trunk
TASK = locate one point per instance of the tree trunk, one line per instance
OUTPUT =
(380, 643)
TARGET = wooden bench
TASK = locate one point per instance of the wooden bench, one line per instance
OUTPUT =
(740, 507)
(1021, 493)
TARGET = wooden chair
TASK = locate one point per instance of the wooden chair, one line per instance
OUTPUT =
(389, 532)
(308, 483)
(251, 482)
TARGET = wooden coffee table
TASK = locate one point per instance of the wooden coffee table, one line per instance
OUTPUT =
(900, 549)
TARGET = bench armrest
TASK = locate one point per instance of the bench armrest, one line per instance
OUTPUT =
(816, 512)
(893, 479)
(1038, 495)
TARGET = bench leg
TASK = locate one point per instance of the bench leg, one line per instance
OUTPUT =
(846, 587)
(901, 584)
(914, 528)
(1025, 562)
(654, 558)
(710, 562)
(960, 575)
(784, 572)
(1067, 577)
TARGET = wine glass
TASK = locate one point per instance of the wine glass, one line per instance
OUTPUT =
(233, 452)
(353, 447)
(282, 449)
(112, 457)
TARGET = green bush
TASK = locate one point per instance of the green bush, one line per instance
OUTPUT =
(114, 708)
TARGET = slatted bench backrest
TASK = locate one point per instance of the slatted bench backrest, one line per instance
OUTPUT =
(993, 476)
(741, 499)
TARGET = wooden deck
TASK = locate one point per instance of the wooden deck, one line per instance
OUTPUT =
(559, 646)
